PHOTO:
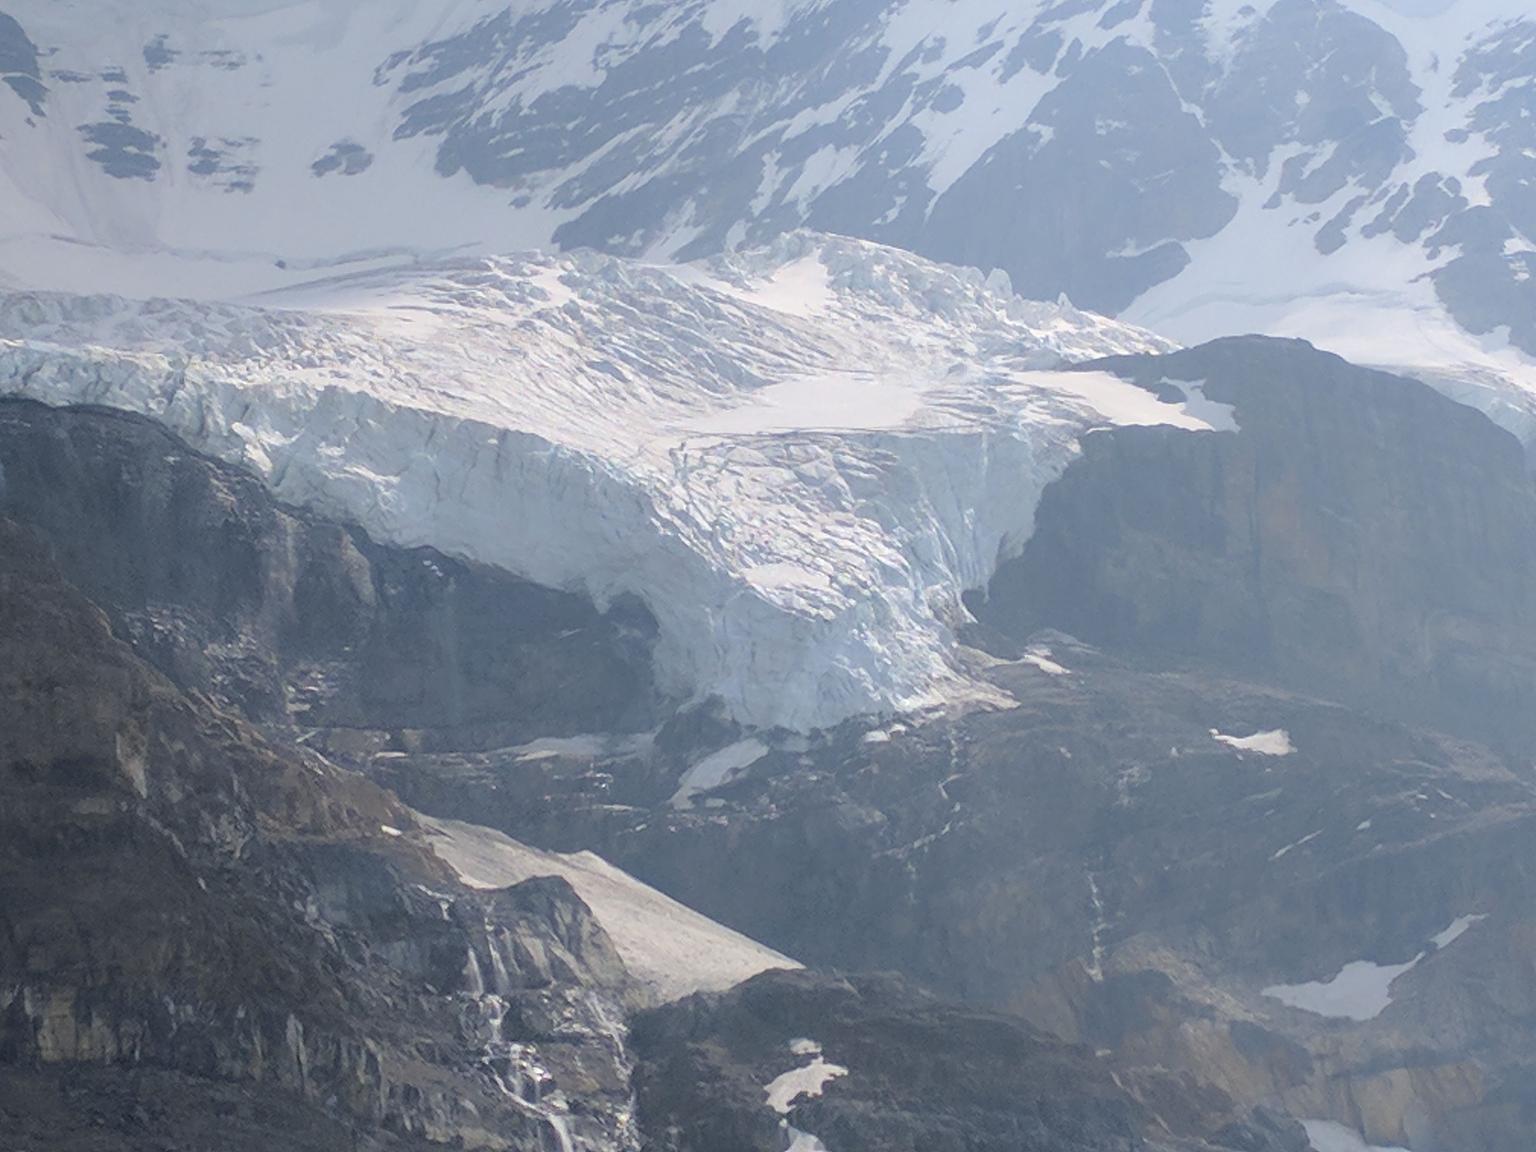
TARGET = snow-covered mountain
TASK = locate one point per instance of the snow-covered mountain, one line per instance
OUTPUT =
(799, 452)
(799, 459)
(1354, 171)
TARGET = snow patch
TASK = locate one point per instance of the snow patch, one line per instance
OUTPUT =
(669, 948)
(1459, 928)
(1326, 1136)
(808, 1080)
(717, 769)
(1115, 401)
(802, 1141)
(1039, 656)
(1362, 990)
(1217, 416)
(1276, 742)
(1302, 843)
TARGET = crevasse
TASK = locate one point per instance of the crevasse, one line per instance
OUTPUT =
(797, 458)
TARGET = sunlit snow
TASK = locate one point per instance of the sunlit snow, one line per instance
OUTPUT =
(807, 1080)
(799, 494)
(1040, 657)
(1276, 742)
(669, 948)
(717, 768)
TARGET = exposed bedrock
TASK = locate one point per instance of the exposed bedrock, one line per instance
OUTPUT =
(184, 903)
(1361, 538)
(292, 618)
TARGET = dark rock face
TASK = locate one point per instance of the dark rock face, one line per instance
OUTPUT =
(123, 150)
(179, 899)
(18, 64)
(201, 930)
(226, 162)
(295, 620)
(915, 1074)
(1361, 539)
(94, 1109)
(1050, 191)
(345, 157)
(1096, 861)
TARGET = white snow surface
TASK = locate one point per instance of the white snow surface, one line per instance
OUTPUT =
(1039, 656)
(669, 948)
(1362, 990)
(802, 1141)
(1276, 742)
(279, 83)
(785, 1090)
(1326, 1136)
(716, 769)
(799, 494)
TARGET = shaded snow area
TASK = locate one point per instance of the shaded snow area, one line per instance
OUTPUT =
(803, 1141)
(716, 769)
(1039, 656)
(1362, 990)
(669, 948)
(1273, 743)
(798, 458)
(1326, 1136)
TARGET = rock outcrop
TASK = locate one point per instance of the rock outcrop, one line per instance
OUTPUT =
(182, 900)
(295, 620)
(871, 1064)
(1359, 538)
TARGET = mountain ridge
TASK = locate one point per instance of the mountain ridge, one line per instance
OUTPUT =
(1342, 170)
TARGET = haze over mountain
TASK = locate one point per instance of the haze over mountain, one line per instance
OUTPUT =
(523, 524)
(1353, 172)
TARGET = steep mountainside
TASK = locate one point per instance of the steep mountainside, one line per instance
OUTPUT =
(872, 1065)
(190, 905)
(1220, 839)
(211, 934)
(526, 518)
(1357, 172)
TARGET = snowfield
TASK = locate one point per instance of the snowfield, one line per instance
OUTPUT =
(210, 150)
(669, 948)
(798, 458)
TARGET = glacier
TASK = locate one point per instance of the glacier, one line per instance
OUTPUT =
(1353, 173)
(799, 457)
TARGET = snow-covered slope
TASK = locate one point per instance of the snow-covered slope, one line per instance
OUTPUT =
(797, 458)
(670, 949)
(1358, 172)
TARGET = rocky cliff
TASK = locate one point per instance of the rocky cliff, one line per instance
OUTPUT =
(184, 902)
(1358, 538)
(295, 620)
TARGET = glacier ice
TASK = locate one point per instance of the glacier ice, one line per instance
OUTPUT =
(798, 457)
